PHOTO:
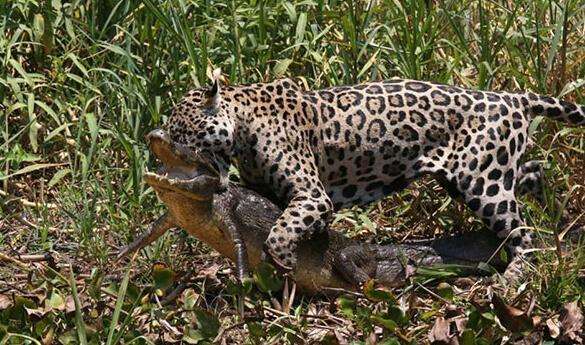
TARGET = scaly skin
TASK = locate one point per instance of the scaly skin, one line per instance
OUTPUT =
(236, 221)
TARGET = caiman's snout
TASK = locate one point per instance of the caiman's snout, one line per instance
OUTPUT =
(172, 155)
(157, 135)
(179, 160)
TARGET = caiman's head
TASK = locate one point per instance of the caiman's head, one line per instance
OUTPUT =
(182, 170)
(186, 182)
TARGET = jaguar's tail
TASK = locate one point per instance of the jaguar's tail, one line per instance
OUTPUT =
(556, 109)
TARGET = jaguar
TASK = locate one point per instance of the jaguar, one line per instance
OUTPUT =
(317, 151)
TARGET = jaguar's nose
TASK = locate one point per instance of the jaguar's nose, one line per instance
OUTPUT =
(157, 134)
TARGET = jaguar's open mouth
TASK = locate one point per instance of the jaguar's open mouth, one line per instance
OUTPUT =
(182, 168)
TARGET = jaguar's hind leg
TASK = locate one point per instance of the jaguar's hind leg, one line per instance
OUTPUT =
(530, 180)
(493, 199)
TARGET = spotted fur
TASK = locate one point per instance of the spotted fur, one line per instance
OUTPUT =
(319, 151)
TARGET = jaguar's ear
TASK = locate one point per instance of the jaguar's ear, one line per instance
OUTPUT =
(214, 93)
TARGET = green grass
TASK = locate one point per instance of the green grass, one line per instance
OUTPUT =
(81, 82)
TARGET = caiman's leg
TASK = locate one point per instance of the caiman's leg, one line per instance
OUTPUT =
(356, 264)
(155, 230)
(240, 252)
(224, 212)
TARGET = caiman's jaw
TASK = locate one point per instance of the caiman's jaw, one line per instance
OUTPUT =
(182, 168)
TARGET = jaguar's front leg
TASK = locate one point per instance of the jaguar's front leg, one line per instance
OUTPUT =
(308, 211)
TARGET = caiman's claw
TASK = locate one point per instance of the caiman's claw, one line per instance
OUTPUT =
(155, 230)
(242, 269)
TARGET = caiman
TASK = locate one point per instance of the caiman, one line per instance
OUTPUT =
(235, 221)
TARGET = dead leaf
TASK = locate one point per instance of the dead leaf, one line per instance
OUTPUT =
(371, 339)
(460, 323)
(5, 302)
(209, 272)
(571, 320)
(322, 336)
(49, 337)
(464, 282)
(513, 319)
(554, 327)
(36, 312)
(69, 304)
(440, 333)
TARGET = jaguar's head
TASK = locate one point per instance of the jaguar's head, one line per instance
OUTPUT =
(201, 122)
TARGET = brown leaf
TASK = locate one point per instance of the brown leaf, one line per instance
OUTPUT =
(464, 282)
(322, 336)
(69, 304)
(49, 337)
(440, 333)
(371, 339)
(571, 319)
(209, 272)
(36, 312)
(553, 326)
(5, 302)
(460, 323)
(513, 319)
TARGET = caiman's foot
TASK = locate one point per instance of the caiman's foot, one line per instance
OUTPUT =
(516, 269)
(356, 264)
(155, 230)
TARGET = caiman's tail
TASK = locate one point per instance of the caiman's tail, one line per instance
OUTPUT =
(556, 109)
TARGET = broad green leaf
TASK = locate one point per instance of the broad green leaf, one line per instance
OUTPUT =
(445, 290)
(163, 276)
(189, 299)
(207, 323)
(281, 67)
(385, 322)
(58, 176)
(397, 314)
(267, 278)
(300, 30)
(192, 336)
(29, 169)
(467, 337)
(256, 329)
(92, 125)
(56, 301)
(390, 341)
(503, 254)
(347, 305)
(380, 294)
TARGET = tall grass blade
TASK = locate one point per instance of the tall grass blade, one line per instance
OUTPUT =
(119, 305)
(79, 324)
